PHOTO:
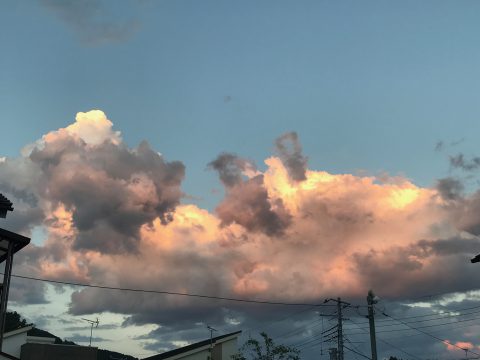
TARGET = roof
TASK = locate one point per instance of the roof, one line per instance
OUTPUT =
(17, 331)
(192, 347)
(6, 237)
(5, 205)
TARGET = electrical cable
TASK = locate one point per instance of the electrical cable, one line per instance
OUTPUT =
(356, 352)
(446, 342)
(386, 342)
(212, 297)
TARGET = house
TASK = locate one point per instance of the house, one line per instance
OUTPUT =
(223, 347)
(19, 345)
(13, 342)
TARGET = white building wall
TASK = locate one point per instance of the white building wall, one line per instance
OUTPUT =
(229, 348)
(12, 344)
(201, 355)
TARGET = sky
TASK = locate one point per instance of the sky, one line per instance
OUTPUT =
(288, 151)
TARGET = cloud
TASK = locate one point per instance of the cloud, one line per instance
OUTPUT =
(92, 21)
(112, 216)
(450, 188)
(459, 162)
(78, 338)
(91, 187)
(466, 345)
(290, 152)
(248, 205)
(230, 168)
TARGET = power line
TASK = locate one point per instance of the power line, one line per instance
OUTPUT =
(212, 297)
(425, 326)
(386, 342)
(434, 316)
(428, 334)
(356, 352)
(283, 319)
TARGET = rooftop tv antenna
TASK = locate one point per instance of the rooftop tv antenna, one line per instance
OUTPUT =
(211, 340)
(91, 328)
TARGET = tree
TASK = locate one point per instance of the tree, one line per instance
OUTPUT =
(266, 350)
(14, 320)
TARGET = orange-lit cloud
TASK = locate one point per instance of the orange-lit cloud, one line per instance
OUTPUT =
(112, 216)
(465, 345)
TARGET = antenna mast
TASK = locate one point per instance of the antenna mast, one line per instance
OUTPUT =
(91, 328)
(211, 340)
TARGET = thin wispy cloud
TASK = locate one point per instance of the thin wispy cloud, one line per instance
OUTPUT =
(92, 21)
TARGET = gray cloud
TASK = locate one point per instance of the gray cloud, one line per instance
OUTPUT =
(229, 168)
(290, 152)
(85, 338)
(24, 292)
(459, 162)
(450, 188)
(464, 213)
(248, 204)
(92, 21)
(400, 271)
(104, 189)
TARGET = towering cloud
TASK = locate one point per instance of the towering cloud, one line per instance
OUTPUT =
(290, 152)
(247, 202)
(112, 216)
(109, 189)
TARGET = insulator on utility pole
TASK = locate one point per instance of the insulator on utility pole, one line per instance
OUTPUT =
(371, 300)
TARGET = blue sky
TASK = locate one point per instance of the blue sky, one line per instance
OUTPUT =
(369, 86)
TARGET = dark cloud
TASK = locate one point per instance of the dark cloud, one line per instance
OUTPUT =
(450, 188)
(248, 204)
(111, 190)
(439, 146)
(23, 292)
(403, 271)
(23, 219)
(459, 162)
(290, 152)
(229, 168)
(92, 20)
(465, 212)
(85, 338)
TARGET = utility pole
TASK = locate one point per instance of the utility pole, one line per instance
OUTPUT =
(340, 305)
(371, 300)
(340, 330)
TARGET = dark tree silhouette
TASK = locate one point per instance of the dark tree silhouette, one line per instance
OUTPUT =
(266, 350)
(14, 320)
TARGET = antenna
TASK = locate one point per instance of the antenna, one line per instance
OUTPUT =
(91, 327)
(211, 340)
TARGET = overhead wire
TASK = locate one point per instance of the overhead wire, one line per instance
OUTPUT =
(388, 343)
(163, 292)
(446, 342)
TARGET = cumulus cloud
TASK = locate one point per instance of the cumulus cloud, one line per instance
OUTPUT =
(112, 216)
(107, 190)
